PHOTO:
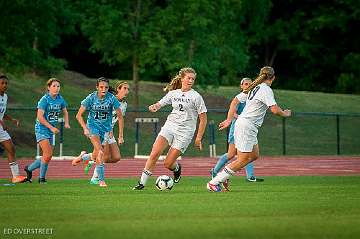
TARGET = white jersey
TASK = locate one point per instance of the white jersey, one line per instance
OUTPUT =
(241, 97)
(186, 108)
(123, 107)
(3, 103)
(257, 103)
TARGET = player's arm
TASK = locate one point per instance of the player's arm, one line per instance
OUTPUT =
(12, 120)
(81, 120)
(276, 110)
(43, 121)
(201, 130)
(230, 115)
(66, 118)
(121, 126)
(155, 107)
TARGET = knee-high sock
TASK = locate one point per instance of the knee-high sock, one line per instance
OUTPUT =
(100, 171)
(14, 167)
(222, 176)
(43, 169)
(249, 170)
(95, 174)
(145, 176)
(36, 164)
(220, 163)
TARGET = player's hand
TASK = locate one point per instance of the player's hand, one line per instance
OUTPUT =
(54, 130)
(86, 132)
(16, 122)
(153, 108)
(287, 113)
(67, 126)
(224, 124)
(120, 140)
(198, 144)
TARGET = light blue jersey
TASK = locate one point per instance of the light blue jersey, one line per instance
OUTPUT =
(239, 109)
(52, 109)
(100, 112)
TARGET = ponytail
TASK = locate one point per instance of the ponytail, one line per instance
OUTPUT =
(175, 82)
(266, 73)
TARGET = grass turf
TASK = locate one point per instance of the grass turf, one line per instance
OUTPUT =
(281, 207)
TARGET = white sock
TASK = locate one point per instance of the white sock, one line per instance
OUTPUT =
(145, 176)
(222, 176)
(95, 174)
(14, 167)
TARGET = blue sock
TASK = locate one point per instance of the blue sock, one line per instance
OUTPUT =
(34, 165)
(85, 157)
(220, 163)
(249, 170)
(100, 170)
(43, 170)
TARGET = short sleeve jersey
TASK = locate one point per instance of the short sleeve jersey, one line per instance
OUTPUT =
(100, 110)
(258, 101)
(186, 107)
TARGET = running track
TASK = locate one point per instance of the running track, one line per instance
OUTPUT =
(265, 166)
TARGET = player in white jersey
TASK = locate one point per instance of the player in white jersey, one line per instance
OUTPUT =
(180, 125)
(111, 149)
(5, 139)
(260, 99)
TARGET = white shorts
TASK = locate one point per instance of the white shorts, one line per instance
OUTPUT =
(177, 139)
(245, 135)
(4, 135)
(108, 139)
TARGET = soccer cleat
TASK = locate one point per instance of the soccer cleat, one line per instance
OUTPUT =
(177, 174)
(139, 186)
(212, 173)
(102, 184)
(28, 174)
(78, 159)
(226, 185)
(253, 179)
(88, 165)
(42, 180)
(94, 181)
(19, 179)
(213, 187)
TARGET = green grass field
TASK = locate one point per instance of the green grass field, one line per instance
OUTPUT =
(281, 207)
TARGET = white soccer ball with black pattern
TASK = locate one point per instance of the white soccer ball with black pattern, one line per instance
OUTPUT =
(164, 182)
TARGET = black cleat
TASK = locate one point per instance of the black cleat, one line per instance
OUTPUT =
(254, 179)
(28, 174)
(177, 175)
(139, 186)
(42, 180)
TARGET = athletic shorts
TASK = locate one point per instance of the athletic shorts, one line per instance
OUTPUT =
(108, 139)
(177, 138)
(98, 132)
(4, 135)
(245, 135)
(43, 136)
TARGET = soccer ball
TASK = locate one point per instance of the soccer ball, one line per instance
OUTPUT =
(164, 182)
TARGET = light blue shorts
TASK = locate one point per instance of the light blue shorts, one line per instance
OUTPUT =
(43, 136)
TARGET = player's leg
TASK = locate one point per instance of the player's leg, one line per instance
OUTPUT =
(112, 153)
(224, 159)
(47, 152)
(9, 147)
(80, 158)
(243, 158)
(160, 144)
(171, 163)
(98, 153)
(250, 176)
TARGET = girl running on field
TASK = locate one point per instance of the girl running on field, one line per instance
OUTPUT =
(48, 111)
(100, 104)
(5, 139)
(260, 98)
(111, 149)
(180, 125)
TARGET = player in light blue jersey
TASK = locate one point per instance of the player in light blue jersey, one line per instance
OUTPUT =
(100, 104)
(49, 109)
(250, 177)
(111, 149)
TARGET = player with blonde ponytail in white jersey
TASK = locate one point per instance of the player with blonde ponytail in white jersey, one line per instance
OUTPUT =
(260, 98)
(180, 126)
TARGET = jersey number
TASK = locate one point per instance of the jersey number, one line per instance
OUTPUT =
(101, 115)
(53, 115)
(253, 92)
(181, 107)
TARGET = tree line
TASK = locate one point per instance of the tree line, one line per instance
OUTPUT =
(312, 44)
